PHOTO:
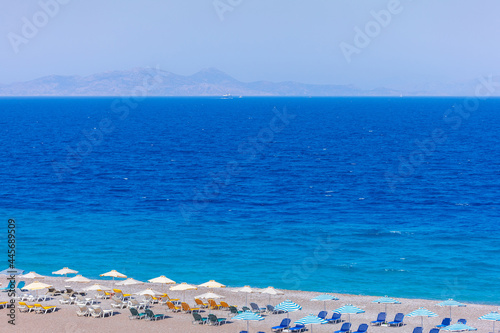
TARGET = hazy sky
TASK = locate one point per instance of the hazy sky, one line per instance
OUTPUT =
(419, 41)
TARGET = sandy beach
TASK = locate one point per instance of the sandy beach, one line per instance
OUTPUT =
(66, 320)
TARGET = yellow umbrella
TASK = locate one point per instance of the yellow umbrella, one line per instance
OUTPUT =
(37, 286)
(183, 287)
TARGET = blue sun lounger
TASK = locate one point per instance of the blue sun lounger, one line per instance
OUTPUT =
(362, 328)
(346, 327)
(418, 330)
(284, 324)
(336, 318)
(398, 320)
(444, 323)
(380, 319)
(323, 314)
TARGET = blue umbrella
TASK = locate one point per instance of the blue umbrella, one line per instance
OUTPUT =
(494, 316)
(311, 319)
(12, 271)
(422, 312)
(451, 303)
(247, 316)
(324, 298)
(386, 300)
(459, 327)
(349, 309)
(288, 306)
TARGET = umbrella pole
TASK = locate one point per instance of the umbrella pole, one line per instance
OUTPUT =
(450, 315)
(324, 308)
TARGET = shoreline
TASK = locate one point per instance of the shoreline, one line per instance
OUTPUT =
(66, 320)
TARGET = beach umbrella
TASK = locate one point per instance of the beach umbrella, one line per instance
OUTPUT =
(162, 280)
(212, 284)
(247, 316)
(183, 287)
(247, 290)
(310, 320)
(12, 271)
(458, 328)
(451, 303)
(37, 286)
(65, 271)
(271, 291)
(209, 296)
(386, 300)
(129, 282)
(349, 309)
(324, 298)
(493, 316)
(96, 286)
(148, 291)
(114, 274)
(78, 278)
(288, 306)
(32, 275)
(422, 312)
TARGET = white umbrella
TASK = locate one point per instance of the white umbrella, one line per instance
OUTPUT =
(32, 275)
(65, 271)
(212, 284)
(114, 274)
(37, 286)
(183, 287)
(96, 286)
(271, 291)
(78, 278)
(247, 290)
(148, 291)
(209, 296)
(129, 282)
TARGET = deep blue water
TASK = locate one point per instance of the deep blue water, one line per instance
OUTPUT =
(334, 196)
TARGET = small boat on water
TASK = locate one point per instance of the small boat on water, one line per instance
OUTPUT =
(227, 96)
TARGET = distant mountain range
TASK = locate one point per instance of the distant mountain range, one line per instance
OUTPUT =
(208, 82)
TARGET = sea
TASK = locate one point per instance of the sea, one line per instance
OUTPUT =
(373, 196)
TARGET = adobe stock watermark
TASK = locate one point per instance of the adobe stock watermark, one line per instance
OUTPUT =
(223, 6)
(453, 119)
(371, 30)
(31, 26)
(302, 271)
(248, 150)
(120, 108)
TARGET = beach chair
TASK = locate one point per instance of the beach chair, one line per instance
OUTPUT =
(418, 330)
(245, 309)
(224, 305)
(198, 319)
(150, 315)
(66, 299)
(398, 320)
(118, 303)
(20, 296)
(187, 309)
(362, 328)
(39, 308)
(164, 299)
(323, 314)
(172, 307)
(102, 294)
(444, 323)
(51, 291)
(38, 298)
(134, 314)
(297, 328)
(255, 308)
(84, 300)
(121, 295)
(200, 303)
(24, 307)
(213, 320)
(336, 318)
(271, 309)
(99, 312)
(83, 311)
(345, 328)
(151, 299)
(69, 291)
(434, 330)
(380, 319)
(233, 311)
(133, 303)
(285, 323)
(3, 304)
(462, 321)
(212, 305)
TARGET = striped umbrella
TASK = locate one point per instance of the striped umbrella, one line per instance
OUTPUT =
(422, 312)
(459, 327)
(493, 316)
(310, 320)
(386, 300)
(349, 309)
(288, 306)
(247, 316)
(324, 298)
(451, 303)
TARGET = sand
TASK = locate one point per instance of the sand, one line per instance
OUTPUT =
(66, 320)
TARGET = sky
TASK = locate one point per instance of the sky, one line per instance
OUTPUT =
(367, 43)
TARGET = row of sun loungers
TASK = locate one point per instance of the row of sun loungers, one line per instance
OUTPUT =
(37, 307)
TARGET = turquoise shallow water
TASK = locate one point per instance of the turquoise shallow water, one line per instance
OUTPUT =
(198, 188)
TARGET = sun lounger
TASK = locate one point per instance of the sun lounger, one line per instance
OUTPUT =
(285, 323)
(24, 307)
(380, 319)
(187, 309)
(198, 319)
(336, 318)
(121, 295)
(134, 314)
(418, 330)
(323, 314)
(133, 303)
(200, 303)
(3, 304)
(66, 299)
(434, 330)
(151, 299)
(84, 300)
(224, 305)
(118, 303)
(39, 308)
(151, 316)
(297, 328)
(100, 312)
(102, 294)
(255, 308)
(398, 320)
(173, 308)
(362, 328)
(53, 292)
(164, 299)
(346, 327)
(83, 311)
(271, 309)
(212, 305)
(213, 320)
(462, 321)
(20, 296)
(444, 323)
